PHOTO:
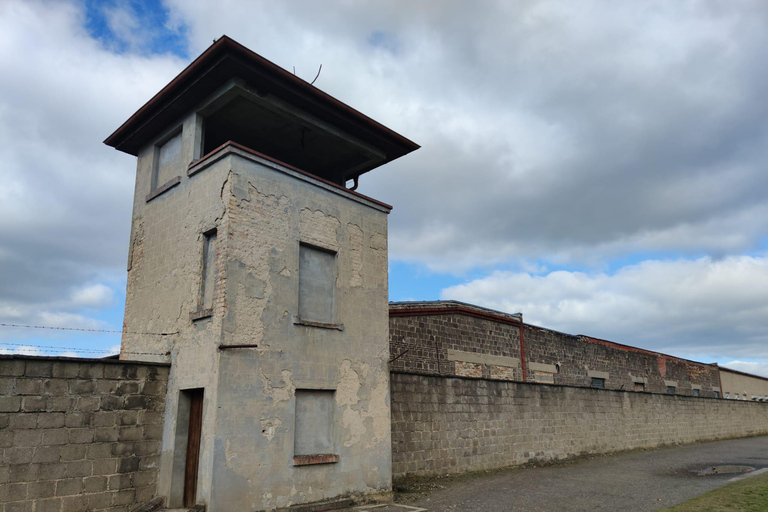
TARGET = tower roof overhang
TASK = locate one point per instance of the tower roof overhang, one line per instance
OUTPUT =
(341, 144)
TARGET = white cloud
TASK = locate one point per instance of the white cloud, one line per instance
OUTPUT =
(97, 296)
(687, 307)
(550, 130)
(65, 203)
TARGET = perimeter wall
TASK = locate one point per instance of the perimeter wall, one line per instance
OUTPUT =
(443, 425)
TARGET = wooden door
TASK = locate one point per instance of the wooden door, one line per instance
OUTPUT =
(193, 446)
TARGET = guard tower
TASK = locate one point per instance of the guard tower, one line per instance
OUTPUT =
(248, 243)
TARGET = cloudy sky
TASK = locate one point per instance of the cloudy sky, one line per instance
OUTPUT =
(598, 166)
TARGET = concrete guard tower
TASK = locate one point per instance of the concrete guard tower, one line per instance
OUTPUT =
(249, 242)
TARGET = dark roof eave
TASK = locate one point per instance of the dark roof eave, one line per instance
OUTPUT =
(125, 137)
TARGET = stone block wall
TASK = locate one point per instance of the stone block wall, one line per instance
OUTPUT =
(443, 425)
(421, 343)
(79, 435)
(453, 338)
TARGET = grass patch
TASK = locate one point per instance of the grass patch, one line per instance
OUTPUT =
(748, 495)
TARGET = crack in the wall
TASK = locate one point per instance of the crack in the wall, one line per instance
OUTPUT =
(283, 393)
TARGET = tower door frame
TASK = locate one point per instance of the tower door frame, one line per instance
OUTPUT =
(186, 456)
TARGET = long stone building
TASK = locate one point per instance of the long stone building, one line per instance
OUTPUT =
(262, 367)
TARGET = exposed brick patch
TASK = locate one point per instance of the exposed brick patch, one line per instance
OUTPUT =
(503, 373)
(469, 369)
(307, 460)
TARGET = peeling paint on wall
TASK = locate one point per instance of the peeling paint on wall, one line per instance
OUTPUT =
(319, 228)
(279, 394)
(355, 245)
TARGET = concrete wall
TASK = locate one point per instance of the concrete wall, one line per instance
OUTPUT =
(164, 285)
(270, 213)
(79, 435)
(450, 338)
(744, 385)
(443, 425)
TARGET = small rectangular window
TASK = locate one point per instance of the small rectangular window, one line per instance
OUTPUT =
(167, 161)
(598, 383)
(208, 283)
(317, 284)
(639, 386)
(717, 394)
(313, 433)
(695, 392)
(671, 390)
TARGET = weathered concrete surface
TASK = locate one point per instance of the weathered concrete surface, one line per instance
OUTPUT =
(443, 425)
(631, 482)
(262, 213)
(269, 215)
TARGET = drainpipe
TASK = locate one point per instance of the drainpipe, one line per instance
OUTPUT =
(523, 364)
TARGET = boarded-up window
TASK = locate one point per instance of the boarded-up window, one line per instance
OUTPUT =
(717, 394)
(314, 422)
(639, 386)
(598, 383)
(167, 161)
(543, 377)
(317, 284)
(671, 390)
(209, 270)
(695, 392)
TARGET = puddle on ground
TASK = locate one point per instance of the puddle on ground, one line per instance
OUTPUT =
(725, 469)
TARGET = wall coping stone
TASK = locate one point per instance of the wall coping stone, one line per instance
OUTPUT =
(538, 384)
(80, 360)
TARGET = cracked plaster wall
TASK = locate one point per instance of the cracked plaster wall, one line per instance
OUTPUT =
(261, 215)
(164, 279)
(269, 214)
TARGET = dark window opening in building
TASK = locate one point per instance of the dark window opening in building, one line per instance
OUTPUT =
(671, 390)
(208, 281)
(696, 392)
(598, 383)
(317, 284)
(262, 124)
(313, 434)
(639, 386)
(717, 394)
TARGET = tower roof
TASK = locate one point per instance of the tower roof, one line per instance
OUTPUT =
(284, 116)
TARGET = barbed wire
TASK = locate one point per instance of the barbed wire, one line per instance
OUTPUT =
(30, 346)
(87, 330)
